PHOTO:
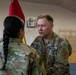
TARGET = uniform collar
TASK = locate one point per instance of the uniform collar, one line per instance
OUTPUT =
(15, 40)
(45, 41)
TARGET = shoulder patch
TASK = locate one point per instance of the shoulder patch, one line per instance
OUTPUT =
(64, 53)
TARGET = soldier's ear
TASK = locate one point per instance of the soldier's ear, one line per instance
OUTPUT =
(52, 25)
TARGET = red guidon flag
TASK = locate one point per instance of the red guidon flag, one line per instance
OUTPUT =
(15, 10)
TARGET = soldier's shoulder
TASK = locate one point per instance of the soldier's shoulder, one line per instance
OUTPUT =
(64, 42)
(28, 49)
(38, 38)
(31, 49)
(59, 38)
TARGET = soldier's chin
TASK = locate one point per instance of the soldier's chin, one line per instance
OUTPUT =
(41, 35)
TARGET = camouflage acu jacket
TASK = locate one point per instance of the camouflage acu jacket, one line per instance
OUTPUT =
(54, 54)
(22, 60)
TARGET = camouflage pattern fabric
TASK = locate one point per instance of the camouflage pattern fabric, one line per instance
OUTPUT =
(22, 60)
(54, 54)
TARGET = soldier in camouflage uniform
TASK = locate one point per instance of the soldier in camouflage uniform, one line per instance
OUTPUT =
(15, 57)
(54, 49)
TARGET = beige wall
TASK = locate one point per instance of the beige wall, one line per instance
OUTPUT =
(63, 19)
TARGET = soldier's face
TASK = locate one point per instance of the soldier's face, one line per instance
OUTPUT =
(44, 27)
(21, 33)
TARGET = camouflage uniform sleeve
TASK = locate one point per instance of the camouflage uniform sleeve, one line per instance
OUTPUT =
(60, 66)
(36, 66)
(69, 47)
(1, 56)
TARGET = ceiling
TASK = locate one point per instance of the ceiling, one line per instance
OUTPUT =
(67, 4)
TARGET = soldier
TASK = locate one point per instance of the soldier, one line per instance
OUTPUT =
(54, 49)
(15, 57)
